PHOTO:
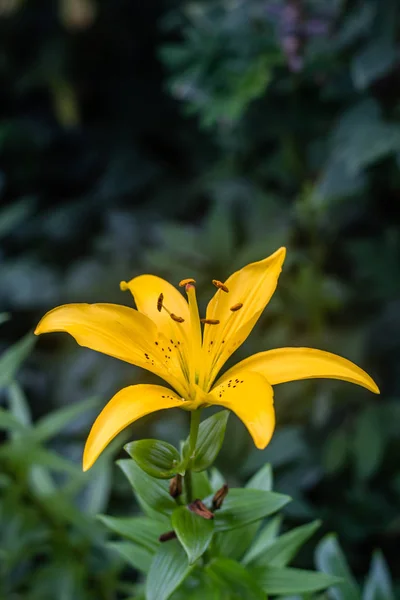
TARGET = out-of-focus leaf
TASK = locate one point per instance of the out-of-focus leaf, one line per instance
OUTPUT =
(12, 215)
(282, 550)
(330, 559)
(18, 404)
(336, 450)
(233, 578)
(367, 444)
(283, 581)
(378, 585)
(11, 359)
(50, 425)
(262, 480)
(264, 540)
(137, 556)
(98, 490)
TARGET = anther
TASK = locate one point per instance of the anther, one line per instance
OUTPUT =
(175, 486)
(199, 508)
(160, 302)
(165, 537)
(176, 318)
(219, 497)
(185, 282)
(236, 307)
(220, 285)
(210, 321)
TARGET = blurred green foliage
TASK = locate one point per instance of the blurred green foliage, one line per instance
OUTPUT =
(185, 139)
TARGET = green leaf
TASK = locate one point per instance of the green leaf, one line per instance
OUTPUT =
(266, 537)
(4, 317)
(141, 530)
(282, 581)
(378, 585)
(168, 570)
(194, 532)
(11, 359)
(234, 543)
(137, 556)
(153, 492)
(210, 439)
(262, 480)
(9, 422)
(368, 444)
(330, 559)
(216, 480)
(231, 576)
(242, 506)
(201, 485)
(335, 451)
(18, 404)
(51, 424)
(97, 492)
(280, 552)
(156, 458)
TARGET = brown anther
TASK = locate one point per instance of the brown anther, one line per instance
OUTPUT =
(185, 282)
(199, 508)
(160, 302)
(220, 285)
(165, 537)
(210, 321)
(219, 497)
(236, 307)
(176, 318)
(175, 486)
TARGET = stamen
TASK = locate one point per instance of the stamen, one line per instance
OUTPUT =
(210, 321)
(176, 318)
(184, 282)
(236, 307)
(220, 285)
(160, 302)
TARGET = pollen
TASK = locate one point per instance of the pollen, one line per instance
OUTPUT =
(176, 318)
(185, 282)
(236, 307)
(220, 285)
(160, 302)
(210, 321)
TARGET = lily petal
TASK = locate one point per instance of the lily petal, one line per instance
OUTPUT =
(249, 288)
(146, 290)
(128, 405)
(291, 364)
(118, 331)
(250, 397)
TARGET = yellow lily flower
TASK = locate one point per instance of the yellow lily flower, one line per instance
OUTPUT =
(164, 335)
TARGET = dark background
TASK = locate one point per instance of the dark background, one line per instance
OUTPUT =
(186, 139)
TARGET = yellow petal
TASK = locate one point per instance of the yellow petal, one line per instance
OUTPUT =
(291, 364)
(250, 397)
(120, 332)
(146, 290)
(127, 406)
(251, 287)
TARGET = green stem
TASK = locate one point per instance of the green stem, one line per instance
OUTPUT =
(194, 430)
